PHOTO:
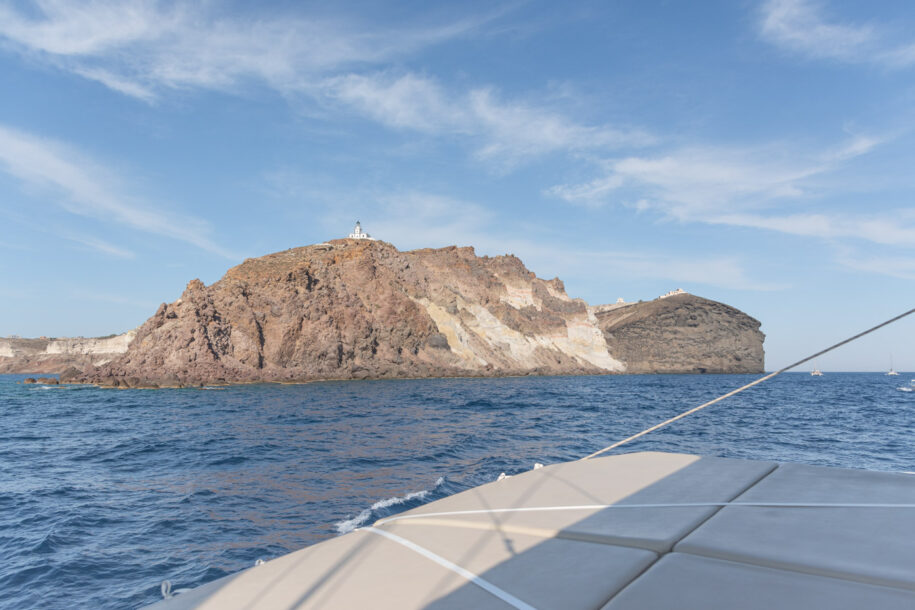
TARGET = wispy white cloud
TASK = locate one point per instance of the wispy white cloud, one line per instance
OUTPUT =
(772, 188)
(56, 232)
(82, 186)
(116, 83)
(593, 194)
(902, 267)
(407, 101)
(62, 28)
(507, 130)
(802, 27)
(144, 47)
(688, 181)
(522, 129)
(102, 246)
(895, 229)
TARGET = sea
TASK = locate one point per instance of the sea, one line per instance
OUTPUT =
(105, 494)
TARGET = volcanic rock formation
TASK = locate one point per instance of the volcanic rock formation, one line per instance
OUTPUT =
(352, 309)
(682, 334)
(357, 309)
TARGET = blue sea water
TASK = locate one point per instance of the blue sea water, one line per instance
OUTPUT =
(106, 493)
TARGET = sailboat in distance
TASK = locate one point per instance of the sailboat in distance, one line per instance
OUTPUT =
(892, 370)
(816, 372)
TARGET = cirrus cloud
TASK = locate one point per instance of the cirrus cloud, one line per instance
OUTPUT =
(147, 50)
(81, 185)
(506, 131)
(773, 188)
(800, 26)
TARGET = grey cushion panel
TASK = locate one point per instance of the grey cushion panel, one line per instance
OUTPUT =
(687, 582)
(872, 545)
(548, 574)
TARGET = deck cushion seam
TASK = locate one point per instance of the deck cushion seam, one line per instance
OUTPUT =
(673, 546)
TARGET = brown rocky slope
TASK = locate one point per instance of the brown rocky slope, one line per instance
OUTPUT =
(683, 333)
(353, 309)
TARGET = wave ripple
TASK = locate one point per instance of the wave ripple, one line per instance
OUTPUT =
(105, 494)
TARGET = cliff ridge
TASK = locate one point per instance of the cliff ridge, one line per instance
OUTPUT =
(358, 308)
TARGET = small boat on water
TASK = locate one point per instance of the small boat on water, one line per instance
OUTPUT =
(816, 373)
(892, 372)
(631, 531)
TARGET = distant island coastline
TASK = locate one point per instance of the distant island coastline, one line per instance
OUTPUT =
(358, 308)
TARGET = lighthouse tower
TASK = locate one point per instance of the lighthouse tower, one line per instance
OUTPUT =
(358, 234)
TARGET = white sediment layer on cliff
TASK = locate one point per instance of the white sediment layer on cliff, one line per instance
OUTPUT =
(581, 338)
(80, 345)
(44, 355)
(76, 346)
(518, 296)
(454, 331)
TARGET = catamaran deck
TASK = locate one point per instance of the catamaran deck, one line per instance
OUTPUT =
(641, 530)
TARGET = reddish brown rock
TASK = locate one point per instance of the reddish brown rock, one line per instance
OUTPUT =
(42, 380)
(356, 309)
(70, 374)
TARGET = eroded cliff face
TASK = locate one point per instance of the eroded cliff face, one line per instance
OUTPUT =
(353, 309)
(356, 309)
(682, 334)
(56, 355)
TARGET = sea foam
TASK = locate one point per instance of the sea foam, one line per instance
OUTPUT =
(349, 525)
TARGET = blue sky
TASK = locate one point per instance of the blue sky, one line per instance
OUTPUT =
(758, 154)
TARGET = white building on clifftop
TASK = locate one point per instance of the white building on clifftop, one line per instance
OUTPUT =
(673, 293)
(358, 234)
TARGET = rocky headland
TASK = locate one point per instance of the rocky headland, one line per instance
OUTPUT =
(356, 309)
(683, 333)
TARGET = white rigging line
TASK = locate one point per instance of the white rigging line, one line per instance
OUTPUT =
(595, 507)
(484, 584)
(741, 389)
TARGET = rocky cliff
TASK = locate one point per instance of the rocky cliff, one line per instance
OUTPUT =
(682, 333)
(352, 309)
(56, 355)
(358, 309)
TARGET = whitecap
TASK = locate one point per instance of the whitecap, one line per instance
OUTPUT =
(348, 525)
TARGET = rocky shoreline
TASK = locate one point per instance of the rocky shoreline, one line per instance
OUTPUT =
(360, 309)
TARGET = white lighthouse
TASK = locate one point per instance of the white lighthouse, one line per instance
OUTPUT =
(358, 234)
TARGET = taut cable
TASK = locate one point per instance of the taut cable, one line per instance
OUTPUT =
(749, 385)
